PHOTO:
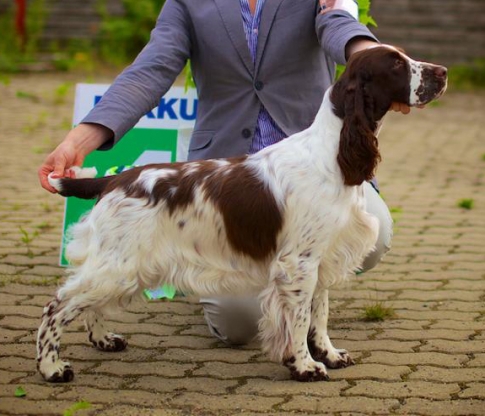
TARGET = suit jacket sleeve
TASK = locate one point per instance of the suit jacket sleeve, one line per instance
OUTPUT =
(140, 86)
(335, 29)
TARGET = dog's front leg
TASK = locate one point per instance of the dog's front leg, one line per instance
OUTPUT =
(319, 342)
(286, 305)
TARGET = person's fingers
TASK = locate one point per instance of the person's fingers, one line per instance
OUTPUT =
(59, 165)
(43, 173)
(400, 108)
(405, 109)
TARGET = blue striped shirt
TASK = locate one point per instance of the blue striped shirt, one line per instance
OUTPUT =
(267, 131)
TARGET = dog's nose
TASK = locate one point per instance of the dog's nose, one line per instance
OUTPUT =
(440, 71)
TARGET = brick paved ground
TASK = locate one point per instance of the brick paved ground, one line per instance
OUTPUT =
(428, 360)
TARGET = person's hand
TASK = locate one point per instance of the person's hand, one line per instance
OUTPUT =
(349, 6)
(403, 108)
(400, 107)
(79, 142)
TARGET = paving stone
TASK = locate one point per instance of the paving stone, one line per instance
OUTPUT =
(162, 368)
(177, 341)
(430, 295)
(382, 345)
(283, 388)
(89, 353)
(7, 377)
(95, 395)
(222, 370)
(449, 375)
(477, 361)
(20, 310)
(138, 410)
(416, 358)
(474, 390)
(374, 371)
(23, 406)
(192, 384)
(456, 325)
(424, 334)
(8, 335)
(424, 407)
(7, 299)
(33, 391)
(377, 389)
(331, 405)
(235, 402)
(453, 346)
(227, 355)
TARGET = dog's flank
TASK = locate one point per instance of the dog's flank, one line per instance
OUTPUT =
(286, 223)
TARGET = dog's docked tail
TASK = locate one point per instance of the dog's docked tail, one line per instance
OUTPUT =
(84, 186)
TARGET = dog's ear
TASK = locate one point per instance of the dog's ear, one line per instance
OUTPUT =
(358, 153)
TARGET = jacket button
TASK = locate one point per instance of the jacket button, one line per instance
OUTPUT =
(258, 85)
(246, 133)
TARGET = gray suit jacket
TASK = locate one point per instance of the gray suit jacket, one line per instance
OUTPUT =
(297, 51)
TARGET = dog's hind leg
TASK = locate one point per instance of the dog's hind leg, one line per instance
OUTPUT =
(286, 306)
(99, 336)
(84, 291)
(319, 342)
(57, 314)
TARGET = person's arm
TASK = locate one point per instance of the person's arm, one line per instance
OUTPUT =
(135, 92)
(338, 29)
(342, 44)
(139, 87)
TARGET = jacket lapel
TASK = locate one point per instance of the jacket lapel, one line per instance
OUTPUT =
(267, 17)
(230, 12)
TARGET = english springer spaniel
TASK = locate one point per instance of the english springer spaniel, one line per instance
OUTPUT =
(285, 223)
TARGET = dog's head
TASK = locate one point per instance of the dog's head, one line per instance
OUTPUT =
(373, 80)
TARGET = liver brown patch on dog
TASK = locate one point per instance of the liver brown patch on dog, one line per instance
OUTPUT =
(251, 216)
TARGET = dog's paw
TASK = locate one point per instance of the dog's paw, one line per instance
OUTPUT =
(338, 358)
(110, 343)
(308, 371)
(57, 372)
(331, 357)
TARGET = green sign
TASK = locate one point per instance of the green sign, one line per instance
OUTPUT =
(161, 136)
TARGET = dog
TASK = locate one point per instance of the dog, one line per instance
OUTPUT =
(286, 223)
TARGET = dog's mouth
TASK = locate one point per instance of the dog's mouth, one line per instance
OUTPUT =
(432, 85)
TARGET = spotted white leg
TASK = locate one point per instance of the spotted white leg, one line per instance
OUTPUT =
(286, 306)
(319, 342)
(99, 336)
(56, 316)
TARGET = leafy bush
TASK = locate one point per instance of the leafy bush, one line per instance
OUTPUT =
(12, 53)
(468, 76)
(364, 18)
(123, 37)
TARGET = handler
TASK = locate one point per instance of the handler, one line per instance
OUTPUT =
(261, 68)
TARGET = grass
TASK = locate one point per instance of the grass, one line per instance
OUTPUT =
(27, 238)
(377, 312)
(396, 213)
(468, 76)
(76, 407)
(466, 203)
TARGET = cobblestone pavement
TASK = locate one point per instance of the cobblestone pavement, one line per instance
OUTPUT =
(427, 360)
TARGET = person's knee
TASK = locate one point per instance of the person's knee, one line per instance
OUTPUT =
(376, 206)
(375, 257)
(233, 321)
